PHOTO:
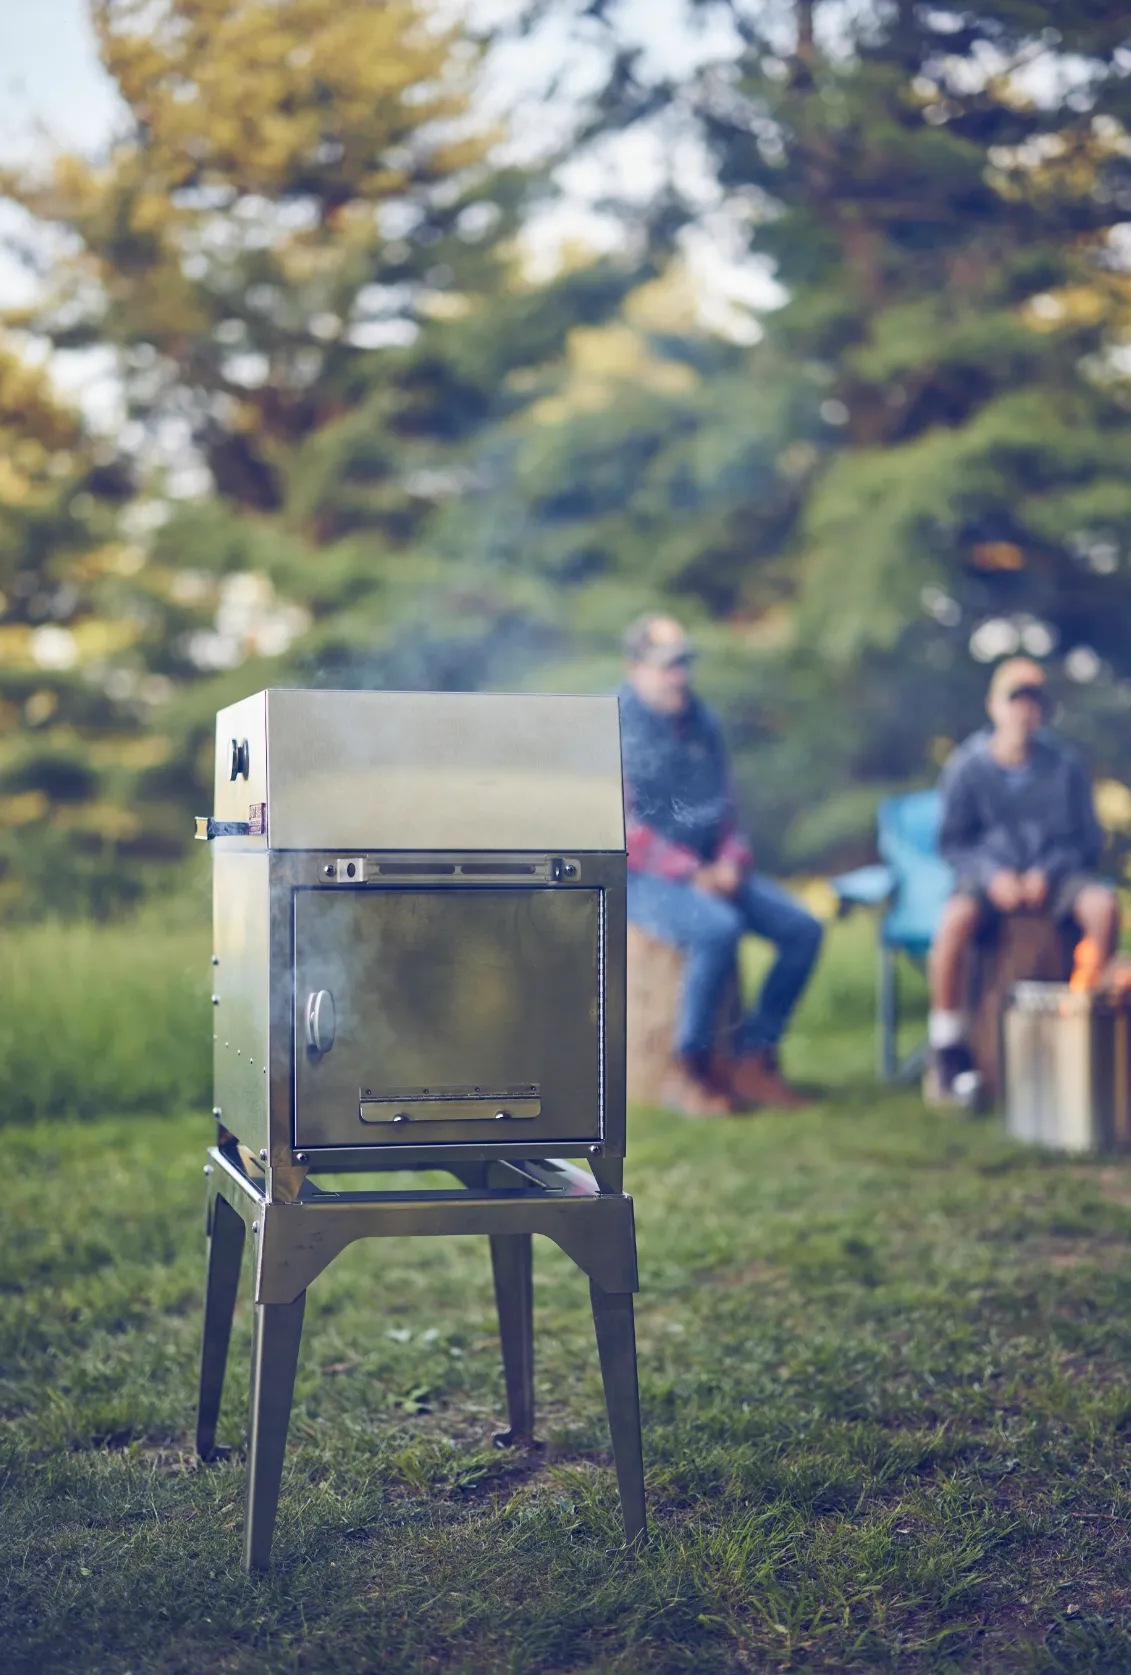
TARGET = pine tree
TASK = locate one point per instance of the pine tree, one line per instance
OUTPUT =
(80, 691)
(303, 256)
(300, 183)
(941, 193)
(920, 466)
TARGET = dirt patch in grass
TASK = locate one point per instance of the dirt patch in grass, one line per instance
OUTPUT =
(1113, 1183)
(753, 1275)
(1106, 1251)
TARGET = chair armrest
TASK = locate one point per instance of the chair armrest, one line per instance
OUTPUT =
(863, 887)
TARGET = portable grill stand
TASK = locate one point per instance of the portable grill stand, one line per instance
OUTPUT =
(293, 1242)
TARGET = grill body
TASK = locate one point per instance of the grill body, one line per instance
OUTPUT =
(419, 911)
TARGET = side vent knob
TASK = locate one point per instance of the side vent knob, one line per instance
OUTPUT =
(321, 1021)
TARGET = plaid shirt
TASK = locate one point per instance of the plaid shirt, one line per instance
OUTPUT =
(679, 805)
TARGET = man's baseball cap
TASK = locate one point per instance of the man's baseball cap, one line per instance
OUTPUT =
(658, 640)
(1019, 677)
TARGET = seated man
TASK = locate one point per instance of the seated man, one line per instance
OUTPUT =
(691, 880)
(1020, 830)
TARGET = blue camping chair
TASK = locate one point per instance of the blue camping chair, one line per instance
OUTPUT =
(914, 881)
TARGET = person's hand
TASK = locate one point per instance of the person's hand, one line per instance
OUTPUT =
(728, 876)
(1006, 890)
(719, 878)
(705, 879)
(1035, 888)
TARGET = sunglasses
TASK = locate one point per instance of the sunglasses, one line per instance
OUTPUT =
(1036, 693)
(682, 660)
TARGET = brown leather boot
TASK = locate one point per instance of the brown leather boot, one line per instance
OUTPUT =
(689, 1091)
(756, 1080)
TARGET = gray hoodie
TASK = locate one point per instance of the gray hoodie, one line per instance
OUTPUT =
(1044, 818)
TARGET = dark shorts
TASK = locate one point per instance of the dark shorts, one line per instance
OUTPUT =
(1061, 901)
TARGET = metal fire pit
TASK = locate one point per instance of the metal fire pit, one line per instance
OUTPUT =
(1067, 1068)
(419, 912)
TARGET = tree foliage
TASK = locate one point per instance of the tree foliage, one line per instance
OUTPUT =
(302, 254)
(76, 747)
(943, 193)
(425, 469)
(297, 185)
(920, 466)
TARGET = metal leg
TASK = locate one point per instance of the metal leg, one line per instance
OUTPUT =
(512, 1264)
(910, 1069)
(616, 1346)
(225, 1252)
(887, 1011)
(274, 1359)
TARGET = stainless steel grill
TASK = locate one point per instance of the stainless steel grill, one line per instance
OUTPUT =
(419, 916)
(1067, 1068)
(421, 946)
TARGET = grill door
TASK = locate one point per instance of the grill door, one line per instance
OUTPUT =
(447, 1016)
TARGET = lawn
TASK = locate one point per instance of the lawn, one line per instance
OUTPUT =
(884, 1365)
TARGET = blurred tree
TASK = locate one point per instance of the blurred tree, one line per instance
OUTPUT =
(944, 194)
(921, 465)
(429, 471)
(300, 185)
(303, 256)
(649, 466)
(77, 699)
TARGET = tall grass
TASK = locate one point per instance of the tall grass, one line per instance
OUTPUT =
(100, 1020)
(97, 1019)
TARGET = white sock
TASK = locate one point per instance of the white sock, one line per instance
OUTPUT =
(945, 1029)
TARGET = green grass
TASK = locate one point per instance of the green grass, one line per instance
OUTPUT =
(103, 1020)
(96, 1019)
(884, 1363)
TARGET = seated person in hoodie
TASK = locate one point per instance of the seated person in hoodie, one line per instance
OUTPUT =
(691, 879)
(1019, 828)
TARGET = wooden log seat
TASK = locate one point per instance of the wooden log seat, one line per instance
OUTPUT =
(1025, 947)
(655, 974)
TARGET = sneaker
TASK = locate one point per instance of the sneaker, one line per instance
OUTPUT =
(756, 1080)
(952, 1077)
(688, 1091)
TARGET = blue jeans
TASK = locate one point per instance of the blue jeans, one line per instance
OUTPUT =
(707, 929)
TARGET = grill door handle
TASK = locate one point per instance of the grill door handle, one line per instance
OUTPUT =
(321, 1020)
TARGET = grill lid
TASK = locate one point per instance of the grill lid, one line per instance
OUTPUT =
(423, 770)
